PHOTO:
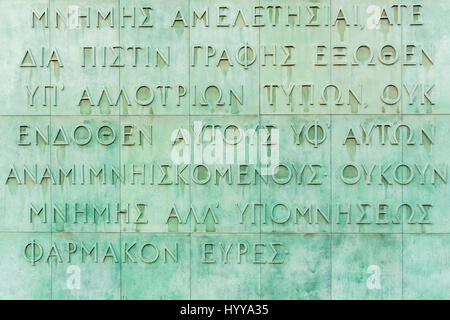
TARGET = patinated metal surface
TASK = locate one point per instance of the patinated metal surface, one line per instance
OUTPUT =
(224, 149)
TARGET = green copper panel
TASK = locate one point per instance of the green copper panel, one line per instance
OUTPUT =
(207, 149)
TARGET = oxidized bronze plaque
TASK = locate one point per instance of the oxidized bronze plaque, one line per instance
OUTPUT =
(224, 149)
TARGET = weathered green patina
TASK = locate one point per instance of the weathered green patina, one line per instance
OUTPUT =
(205, 149)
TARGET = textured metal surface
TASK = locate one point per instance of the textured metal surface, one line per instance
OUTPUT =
(249, 153)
